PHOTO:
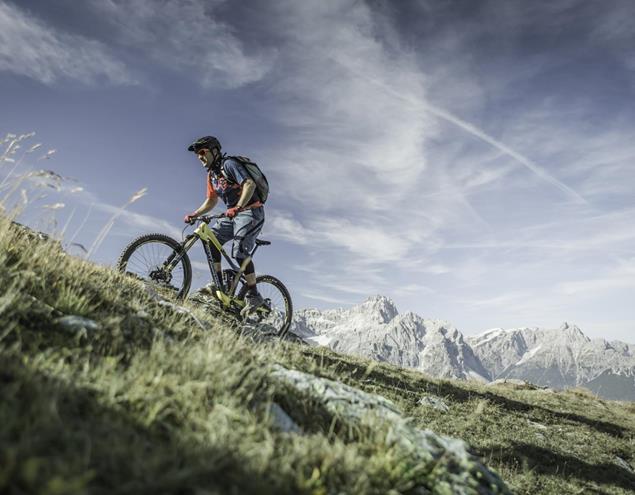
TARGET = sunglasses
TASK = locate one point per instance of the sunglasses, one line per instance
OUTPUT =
(202, 152)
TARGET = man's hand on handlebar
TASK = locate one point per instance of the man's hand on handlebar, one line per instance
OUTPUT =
(233, 211)
(190, 218)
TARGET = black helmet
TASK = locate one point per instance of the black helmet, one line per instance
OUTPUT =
(208, 142)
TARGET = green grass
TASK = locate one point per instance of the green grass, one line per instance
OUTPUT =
(151, 403)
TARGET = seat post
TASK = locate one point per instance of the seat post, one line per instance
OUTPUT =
(259, 242)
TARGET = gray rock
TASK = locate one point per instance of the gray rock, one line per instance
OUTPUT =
(514, 382)
(434, 403)
(75, 324)
(41, 308)
(454, 467)
(538, 426)
(151, 291)
(623, 464)
(182, 310)
(204, 298)
(282, 421)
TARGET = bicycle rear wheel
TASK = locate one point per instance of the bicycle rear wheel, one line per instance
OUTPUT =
(146, 258)
(274, 317)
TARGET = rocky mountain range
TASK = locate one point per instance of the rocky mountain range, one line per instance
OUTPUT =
(557, 358)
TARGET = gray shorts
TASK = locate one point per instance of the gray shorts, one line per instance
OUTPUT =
(243, 229)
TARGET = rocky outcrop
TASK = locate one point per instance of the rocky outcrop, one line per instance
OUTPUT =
(452, 467)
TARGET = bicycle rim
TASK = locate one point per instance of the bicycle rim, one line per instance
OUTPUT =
(147, 262)
(275, 317)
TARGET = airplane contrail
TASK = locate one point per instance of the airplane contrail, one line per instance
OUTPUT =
(539, 171)
(471, 129)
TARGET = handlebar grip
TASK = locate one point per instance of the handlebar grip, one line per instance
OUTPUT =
(209, 218)
(204, 218)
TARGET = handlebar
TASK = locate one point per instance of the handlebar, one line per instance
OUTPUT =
(209, 218)
(205, 218)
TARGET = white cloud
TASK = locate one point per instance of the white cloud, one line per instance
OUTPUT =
(620, 277)
(139, 221)
(352, 150)
(615, 24)
(361, 159)
(507, 300)
(412, 289)
(352, 143)
(370, 242)
(597, 285)
(31, 48)
(317, 296)
(186, 35)
(382, 187)
(282, 225)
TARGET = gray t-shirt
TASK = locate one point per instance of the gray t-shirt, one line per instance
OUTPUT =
(229, 189)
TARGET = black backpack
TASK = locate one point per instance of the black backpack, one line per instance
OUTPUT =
(262, 185)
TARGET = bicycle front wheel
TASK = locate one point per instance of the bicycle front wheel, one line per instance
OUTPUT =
(275, 315)
(148, 258)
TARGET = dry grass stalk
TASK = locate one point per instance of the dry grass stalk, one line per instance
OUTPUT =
(101, 236)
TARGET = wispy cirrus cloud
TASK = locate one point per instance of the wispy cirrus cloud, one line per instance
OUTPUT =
(351, 138)
(138, 222)
(621, 277)
(327, 298)
(282, 225)
(615, 28)
(31, 48)
(185, 35)
(361, 160)
(481, 150)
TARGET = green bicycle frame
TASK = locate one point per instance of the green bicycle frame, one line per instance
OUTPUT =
(205, 234)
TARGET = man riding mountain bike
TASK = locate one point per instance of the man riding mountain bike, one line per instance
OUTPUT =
(229, 179)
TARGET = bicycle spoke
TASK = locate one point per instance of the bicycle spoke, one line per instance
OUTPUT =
(148, 259)
(274, 316)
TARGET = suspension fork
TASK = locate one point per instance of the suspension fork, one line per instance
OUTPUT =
(175, 257)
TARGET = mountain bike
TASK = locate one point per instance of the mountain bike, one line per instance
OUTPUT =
(163, 262)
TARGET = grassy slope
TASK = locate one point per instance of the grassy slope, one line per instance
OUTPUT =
(150, 403)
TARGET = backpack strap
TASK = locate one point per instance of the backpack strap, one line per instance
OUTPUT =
(224, 172)
(240, 159)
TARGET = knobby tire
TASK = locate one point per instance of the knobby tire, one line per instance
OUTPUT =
(286, 297)
(136, 244)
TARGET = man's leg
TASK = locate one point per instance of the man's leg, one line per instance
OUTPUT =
(250, 277)
(247, 226)
(223, 230)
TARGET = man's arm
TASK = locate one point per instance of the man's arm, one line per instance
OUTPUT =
(207, 205)
(248, 188)
(239, 174)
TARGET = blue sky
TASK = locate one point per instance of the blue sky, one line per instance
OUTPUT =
(471, 160)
